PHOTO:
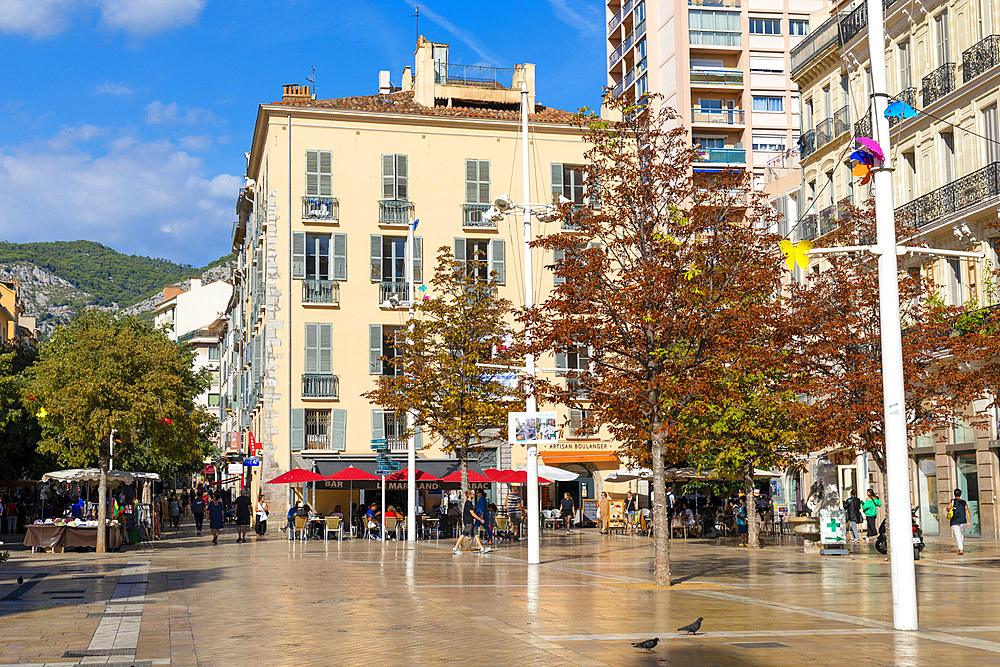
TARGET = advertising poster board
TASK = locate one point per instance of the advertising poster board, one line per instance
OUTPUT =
(532, 428)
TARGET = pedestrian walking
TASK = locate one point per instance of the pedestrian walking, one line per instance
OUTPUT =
(604, 512)
(740, 517)
(242, 515)
(852, 506)
(515, 511)
(483, 512)
(567, 510)
(631, 507)
(261, 526)
(469, 519)
(175, 511)
(216, 517)
(958, 518)
(870, 509)
(198, 510)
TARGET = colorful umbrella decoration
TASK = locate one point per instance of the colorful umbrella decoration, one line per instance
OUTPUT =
(900, 110)
(865, 158)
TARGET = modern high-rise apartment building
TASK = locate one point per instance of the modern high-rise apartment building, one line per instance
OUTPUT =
(942, 58)
(723, 65)
(321, 241)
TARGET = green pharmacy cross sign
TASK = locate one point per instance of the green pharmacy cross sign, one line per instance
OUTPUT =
(832, 526)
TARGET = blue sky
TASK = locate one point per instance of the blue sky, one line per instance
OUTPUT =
(125, 121)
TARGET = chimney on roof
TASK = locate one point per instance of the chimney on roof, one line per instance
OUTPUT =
(170, 291)
(384, 86)
(196, 283)
(293, 92)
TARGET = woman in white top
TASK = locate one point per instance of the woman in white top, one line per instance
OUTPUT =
(261, 527)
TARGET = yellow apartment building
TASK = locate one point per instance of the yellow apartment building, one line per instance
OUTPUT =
(321, 237)
(941, 58)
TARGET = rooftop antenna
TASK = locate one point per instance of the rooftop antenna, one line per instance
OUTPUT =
(416, 15)
(312, 80)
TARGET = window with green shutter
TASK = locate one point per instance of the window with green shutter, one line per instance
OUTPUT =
(319, 173)
(395, 177)
(477, 181)
(319, 348)
(297, 435)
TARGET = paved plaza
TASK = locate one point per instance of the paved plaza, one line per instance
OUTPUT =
(184, 601)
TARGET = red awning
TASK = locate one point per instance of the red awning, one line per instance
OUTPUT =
(351, 474)
(419, 475)
(578, 456)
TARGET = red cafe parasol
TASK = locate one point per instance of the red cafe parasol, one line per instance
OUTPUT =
(519, 477)
(473, 477)
(296, 476)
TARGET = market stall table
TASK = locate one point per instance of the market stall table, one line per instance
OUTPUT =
(47, 536)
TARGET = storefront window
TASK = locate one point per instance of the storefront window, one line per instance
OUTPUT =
(927, 494)
(965, 467)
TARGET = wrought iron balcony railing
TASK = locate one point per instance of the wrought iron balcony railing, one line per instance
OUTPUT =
(980, 57)
(393, 289)
(320, 385)
(841, 121)
(828, 219)
(314, 441)
(960, 194)
(938, 83)
(815, 43)
(472, 216)
(478, 76)
(394, 212)
(320, 208)
(824, 132)
(717, 77)
(727, 155)
(809, 227)
(853, 23)
(717, 116)
(807, 144)
(321, 291)
(863, 128)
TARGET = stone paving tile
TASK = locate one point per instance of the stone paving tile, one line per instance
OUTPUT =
(275, 602)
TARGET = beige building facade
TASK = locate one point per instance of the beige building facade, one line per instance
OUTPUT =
(723, 65)
(941, 58)
(321, 240)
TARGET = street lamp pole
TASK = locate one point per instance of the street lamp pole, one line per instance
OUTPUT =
(534, 533)
(411, 440)
(902, 574)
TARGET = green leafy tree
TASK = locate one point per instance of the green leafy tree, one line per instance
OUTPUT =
(19, 430)
(461, 324)
(107, 372)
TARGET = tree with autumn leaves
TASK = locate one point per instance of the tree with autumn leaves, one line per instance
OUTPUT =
(669, 290)
(439, 355)
(950, 353)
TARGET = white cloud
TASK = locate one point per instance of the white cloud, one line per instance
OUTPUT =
(37, 18)
(588, 20)
(136, 196)
(146, 17)
(196, 143)
(115, 89)
(158, 113)
(44, 18)
(463, 35)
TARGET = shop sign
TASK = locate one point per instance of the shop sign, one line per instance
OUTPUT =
(235, 469)
(251, 461)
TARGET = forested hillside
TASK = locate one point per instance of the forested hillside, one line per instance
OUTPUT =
(110, 277)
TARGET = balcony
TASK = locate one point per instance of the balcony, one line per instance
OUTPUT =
(980, 57)
(710, 38)
(824, 132)
(717, 116)
(854, 22)
(472, 216)
(956, 196)
(908, 95)
(810, 228)
(620, 15)
(316, 385)
(815, 43)
(321, 291)
(722, 4)
(938, 83)
(315, 441)
(477, 76)
(326, 209)
(807, 144)
(633, 37)
(841, 121)
(393, 290)
(394, 212)
(722, 155)
(828, 219)
(716, 77)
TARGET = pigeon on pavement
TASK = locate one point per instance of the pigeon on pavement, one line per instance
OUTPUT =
(649, 644)
(20, 580)
(693, 628)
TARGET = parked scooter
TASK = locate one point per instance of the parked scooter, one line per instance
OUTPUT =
(882, 543)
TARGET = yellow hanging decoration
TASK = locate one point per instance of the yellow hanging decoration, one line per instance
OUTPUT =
(42, 414)
(797, 253)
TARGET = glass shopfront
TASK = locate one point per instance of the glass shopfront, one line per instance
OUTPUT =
(968, 482)
(927, 494)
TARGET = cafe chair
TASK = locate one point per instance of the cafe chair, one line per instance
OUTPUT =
(390, 525)
(334, 524)
(301, 529)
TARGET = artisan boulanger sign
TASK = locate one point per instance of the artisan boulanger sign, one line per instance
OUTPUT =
(578, 446)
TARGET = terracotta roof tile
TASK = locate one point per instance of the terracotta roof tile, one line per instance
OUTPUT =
(402, 102)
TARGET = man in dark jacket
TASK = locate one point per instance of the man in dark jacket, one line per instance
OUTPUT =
(853, 508)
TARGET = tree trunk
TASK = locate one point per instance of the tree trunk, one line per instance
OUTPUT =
(661, 522)
(753, 534)
(463, 463)
(102, 500)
